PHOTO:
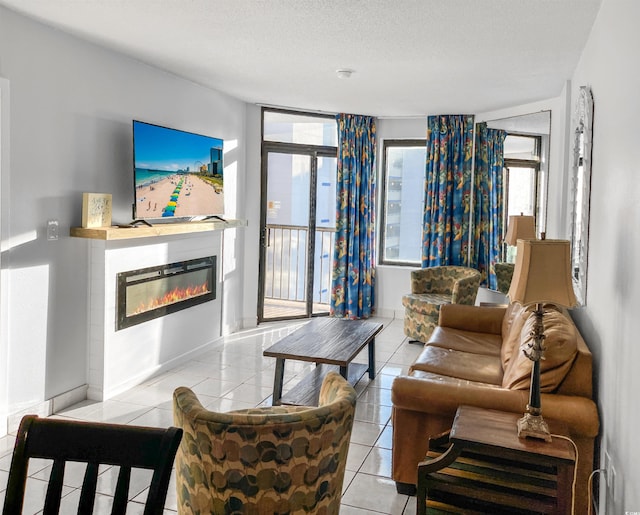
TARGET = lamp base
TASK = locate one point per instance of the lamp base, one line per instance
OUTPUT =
(533, 426)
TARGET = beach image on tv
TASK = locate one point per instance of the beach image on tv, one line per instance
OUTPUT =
(177, 173)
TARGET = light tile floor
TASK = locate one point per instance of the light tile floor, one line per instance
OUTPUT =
(234, 375)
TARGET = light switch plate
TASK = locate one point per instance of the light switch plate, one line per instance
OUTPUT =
(52, 230)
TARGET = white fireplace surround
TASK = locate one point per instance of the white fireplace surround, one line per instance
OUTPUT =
(119, 360)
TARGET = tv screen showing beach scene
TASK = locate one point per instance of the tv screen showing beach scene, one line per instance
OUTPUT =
(177, 174)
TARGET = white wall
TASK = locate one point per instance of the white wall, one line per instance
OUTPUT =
(70, 131)
(252, 193)
(610, 322)
(4, 165)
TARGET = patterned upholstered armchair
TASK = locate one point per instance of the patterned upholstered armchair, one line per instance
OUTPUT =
(281, 459)
(504, 274)
(432, 287)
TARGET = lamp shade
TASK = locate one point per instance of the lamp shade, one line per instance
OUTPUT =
(520, 228)
(543, 273)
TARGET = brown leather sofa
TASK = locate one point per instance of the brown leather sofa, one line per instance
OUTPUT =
(474, 358)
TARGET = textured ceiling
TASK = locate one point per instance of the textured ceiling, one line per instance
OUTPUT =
(411, 57)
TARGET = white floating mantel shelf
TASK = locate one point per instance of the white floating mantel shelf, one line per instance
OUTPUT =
(143, 231)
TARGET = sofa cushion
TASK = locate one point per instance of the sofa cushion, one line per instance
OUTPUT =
(426, 303)
(477, 319)
(560, 345)
(454, 381)
(458, 364)
(466, 341)
(512, 324)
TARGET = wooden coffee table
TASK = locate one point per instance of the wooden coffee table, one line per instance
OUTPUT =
(331, 343)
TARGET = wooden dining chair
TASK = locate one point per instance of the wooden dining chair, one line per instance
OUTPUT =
(128, 447)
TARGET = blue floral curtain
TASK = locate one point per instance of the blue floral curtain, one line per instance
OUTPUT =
(352, 288)
(447, 190)
(488, 202)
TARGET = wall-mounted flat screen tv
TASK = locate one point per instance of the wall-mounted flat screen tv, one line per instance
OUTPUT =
(178, 175)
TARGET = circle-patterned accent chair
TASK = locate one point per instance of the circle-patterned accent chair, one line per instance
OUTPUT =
(280, 459)
(431, 288)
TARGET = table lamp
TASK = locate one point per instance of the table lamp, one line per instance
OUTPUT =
(520, 227)
(542, 275)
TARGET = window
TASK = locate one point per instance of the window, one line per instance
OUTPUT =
(522, 181)
(404, 167)
(402, 192)
(522, 164)
(300, 129)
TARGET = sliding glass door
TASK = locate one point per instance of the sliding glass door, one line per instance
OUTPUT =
(297, 222)
(297, 234)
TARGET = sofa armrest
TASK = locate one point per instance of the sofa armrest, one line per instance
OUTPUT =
(441, 396)
(472, 318)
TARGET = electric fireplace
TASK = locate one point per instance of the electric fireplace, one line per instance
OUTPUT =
(156, 291)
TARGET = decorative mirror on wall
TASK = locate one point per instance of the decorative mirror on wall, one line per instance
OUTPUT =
(580, 191)
(525, 156)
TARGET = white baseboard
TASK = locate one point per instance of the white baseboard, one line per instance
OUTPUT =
(48, 407)
(84, 392)
(249, 323)
(99, 395)
(390, 313)
(64, 400)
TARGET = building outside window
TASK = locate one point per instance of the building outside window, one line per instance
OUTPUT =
(404, 168)
(522, 163)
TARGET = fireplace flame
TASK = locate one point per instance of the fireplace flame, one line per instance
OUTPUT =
(171, 297)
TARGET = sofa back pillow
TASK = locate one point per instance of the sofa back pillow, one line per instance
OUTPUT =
(560, 346)
(512, 324)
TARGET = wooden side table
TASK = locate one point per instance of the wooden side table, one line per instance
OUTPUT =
(482, 466)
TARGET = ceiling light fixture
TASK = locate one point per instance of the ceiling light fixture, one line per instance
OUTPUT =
(344, 73)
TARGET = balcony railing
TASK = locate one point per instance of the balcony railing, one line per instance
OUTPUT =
(286, 265)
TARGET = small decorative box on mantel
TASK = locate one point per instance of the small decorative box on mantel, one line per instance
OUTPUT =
(96, 210)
